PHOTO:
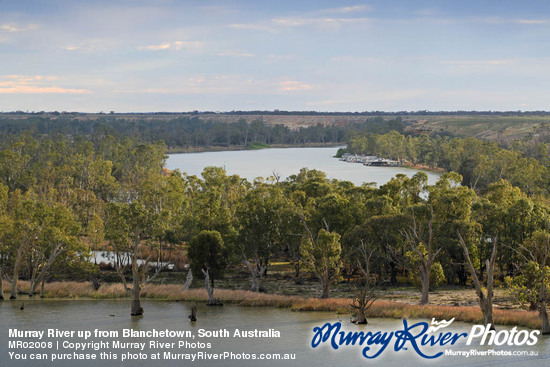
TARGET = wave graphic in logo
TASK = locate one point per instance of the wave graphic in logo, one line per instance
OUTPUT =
(435, 325)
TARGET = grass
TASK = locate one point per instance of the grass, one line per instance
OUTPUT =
(256, 145)
(380, 308)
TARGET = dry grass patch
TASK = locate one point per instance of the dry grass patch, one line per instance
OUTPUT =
(380, 308)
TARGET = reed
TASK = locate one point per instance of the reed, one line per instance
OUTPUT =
(380, 308)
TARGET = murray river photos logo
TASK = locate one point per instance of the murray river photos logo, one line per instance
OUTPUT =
(423, 338)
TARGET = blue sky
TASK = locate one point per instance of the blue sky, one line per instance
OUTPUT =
(170, 55)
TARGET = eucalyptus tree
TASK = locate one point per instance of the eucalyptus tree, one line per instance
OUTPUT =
(321, 254)
(208, 255)
(362, 253)
(57, 236)
(532, 283)
(214, 202)
(135, 214)
(421, 247)
(386, 233)
(261, 216)
(451, 206)
(485, 294)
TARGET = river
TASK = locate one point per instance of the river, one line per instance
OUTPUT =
(295, 328)
(285, 162)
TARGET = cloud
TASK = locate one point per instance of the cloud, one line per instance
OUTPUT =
(253, 27)
(38, 84)
(233, 53)
(292, 86)
(276, 24)
(216, 84)
(92, 45)
(177, 45)
(479, 66)
(15, 28)
(320, 22)
(532, 21)
(499, 20)
(348, 9)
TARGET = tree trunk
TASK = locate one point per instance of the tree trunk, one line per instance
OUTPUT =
(16, 269)
(53, 256)
(137, 310)
(257, 271)
(209, 289)
(255, 282)
(1, 285)
(485, 298)
(188, 280)
(360, 318)
(393, 276)
(42, 288)
(486, 305)
(325, 280)
(543, 314)
(297, 269)
(193, 316)
(425, 281)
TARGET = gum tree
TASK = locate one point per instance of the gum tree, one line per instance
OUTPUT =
(321, 254)
(208, 256)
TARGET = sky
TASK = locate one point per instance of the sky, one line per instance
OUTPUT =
(224, 55)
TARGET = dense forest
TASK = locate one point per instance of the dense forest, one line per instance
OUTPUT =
(69, 188)
(190, 131)
(524, 164)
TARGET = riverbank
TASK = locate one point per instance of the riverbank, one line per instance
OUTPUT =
(181, 150)
(380, 308)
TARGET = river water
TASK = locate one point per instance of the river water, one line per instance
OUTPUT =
(285, 162)
(296, 332)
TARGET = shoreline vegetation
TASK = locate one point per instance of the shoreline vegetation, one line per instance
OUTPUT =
(251, 146)
(380, 309)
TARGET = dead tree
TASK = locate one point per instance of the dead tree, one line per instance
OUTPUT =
(366, 295)
(485, 298)
(139, 278)
(210, 290)
(188, 280)
(193, 316)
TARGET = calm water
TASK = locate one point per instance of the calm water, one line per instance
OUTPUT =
(285, 162)
(295, 328)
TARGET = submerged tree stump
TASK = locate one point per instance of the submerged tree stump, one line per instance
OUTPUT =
(193, 316)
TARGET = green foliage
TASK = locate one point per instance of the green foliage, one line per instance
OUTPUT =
(256, 145)
(207, 252)
(322, 256)
(525, 287)
(480, 163)
(340, 152)
(437, 277)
